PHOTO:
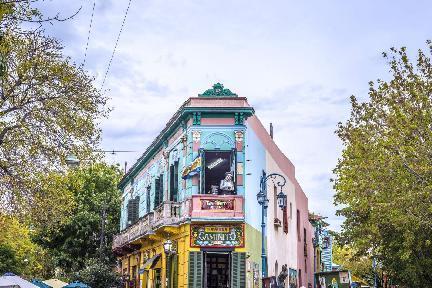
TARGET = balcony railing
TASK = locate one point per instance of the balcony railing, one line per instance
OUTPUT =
(207, 207)
(197, 208)
(168, 213)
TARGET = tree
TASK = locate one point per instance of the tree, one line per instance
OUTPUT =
(360, 266)
(99, 274)
(384, 176)
(77, 236)
(8, 260)
(49, 106)
(18, 253)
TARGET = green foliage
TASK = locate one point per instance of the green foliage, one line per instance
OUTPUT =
(76, 236)
(98, 274)
(15, 239)
(9, 261)
(384, 177)
(49, 106)
(360, 266)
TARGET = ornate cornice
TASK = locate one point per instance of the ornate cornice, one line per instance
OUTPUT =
(218, 90)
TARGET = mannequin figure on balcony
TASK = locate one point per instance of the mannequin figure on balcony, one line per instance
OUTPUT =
(227, 184)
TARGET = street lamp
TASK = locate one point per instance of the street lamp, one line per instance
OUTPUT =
(72, 161)
(168, 245)
(281, 200)
(169, 250)
(263, 201)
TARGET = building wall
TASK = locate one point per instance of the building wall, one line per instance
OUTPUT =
(256, 152)
(285, 248)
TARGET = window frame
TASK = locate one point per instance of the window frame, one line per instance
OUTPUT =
(233, 165)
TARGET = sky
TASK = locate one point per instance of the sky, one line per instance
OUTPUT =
(297, 62)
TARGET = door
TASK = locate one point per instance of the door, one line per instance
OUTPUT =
(217, 270)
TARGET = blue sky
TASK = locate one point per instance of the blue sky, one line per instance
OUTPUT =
(297, 62)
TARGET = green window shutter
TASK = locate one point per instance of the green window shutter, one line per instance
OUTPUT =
(238, 270)
(174, 274)
(161, 189)
(195, 269)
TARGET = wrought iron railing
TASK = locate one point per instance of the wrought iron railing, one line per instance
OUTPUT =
(168, 213)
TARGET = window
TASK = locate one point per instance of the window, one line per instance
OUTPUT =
(148, 199)
(298, 225)
(132, 211)
(158, 191)
(174, 181)
(285, 219)
(219, 172)
(290, 210)
(300, 278)
(304, 242)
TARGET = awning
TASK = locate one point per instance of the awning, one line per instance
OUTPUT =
(150, 263)
(55, 283)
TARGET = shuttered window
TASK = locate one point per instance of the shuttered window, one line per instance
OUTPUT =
(174, 181)
(285, 219)
(158, 191)
(148, 199)
(195, 270)
(238, 270)
(174, 270)
(132, 211)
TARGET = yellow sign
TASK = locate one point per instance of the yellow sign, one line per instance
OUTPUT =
(193, 169)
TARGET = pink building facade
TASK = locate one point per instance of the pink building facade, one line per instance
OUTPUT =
(289, 236)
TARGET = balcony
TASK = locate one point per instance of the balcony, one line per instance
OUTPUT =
(217, 208)
(227, 208)
(168, 213)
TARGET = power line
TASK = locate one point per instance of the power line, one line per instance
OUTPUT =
(89, 31)
(116, 43)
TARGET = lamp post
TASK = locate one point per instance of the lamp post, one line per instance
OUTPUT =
(263, 201)
(169, 250)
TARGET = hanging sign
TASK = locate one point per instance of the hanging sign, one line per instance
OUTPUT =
(217, 235)
(192, 169)
(217, 204)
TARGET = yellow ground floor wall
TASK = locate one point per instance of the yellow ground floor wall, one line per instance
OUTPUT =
(153, 245)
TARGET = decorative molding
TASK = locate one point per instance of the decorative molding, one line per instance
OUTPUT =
(196, 116)
(239, 135)
(218, 140)
(239, 118)
(196, 136)
(218, 90)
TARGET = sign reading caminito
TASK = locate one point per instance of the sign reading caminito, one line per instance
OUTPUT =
(217, 235)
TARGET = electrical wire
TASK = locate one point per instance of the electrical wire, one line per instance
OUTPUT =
(116, 43)
(89, 32)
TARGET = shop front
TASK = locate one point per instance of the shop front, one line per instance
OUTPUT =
(220, 259)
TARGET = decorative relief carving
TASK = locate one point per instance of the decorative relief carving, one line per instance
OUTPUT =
(218, 140)
(218, 90)
(196, 136)
(239, 135)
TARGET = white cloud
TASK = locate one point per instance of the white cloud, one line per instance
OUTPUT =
(297, 62)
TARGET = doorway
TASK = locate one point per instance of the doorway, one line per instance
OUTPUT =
(217, 270)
